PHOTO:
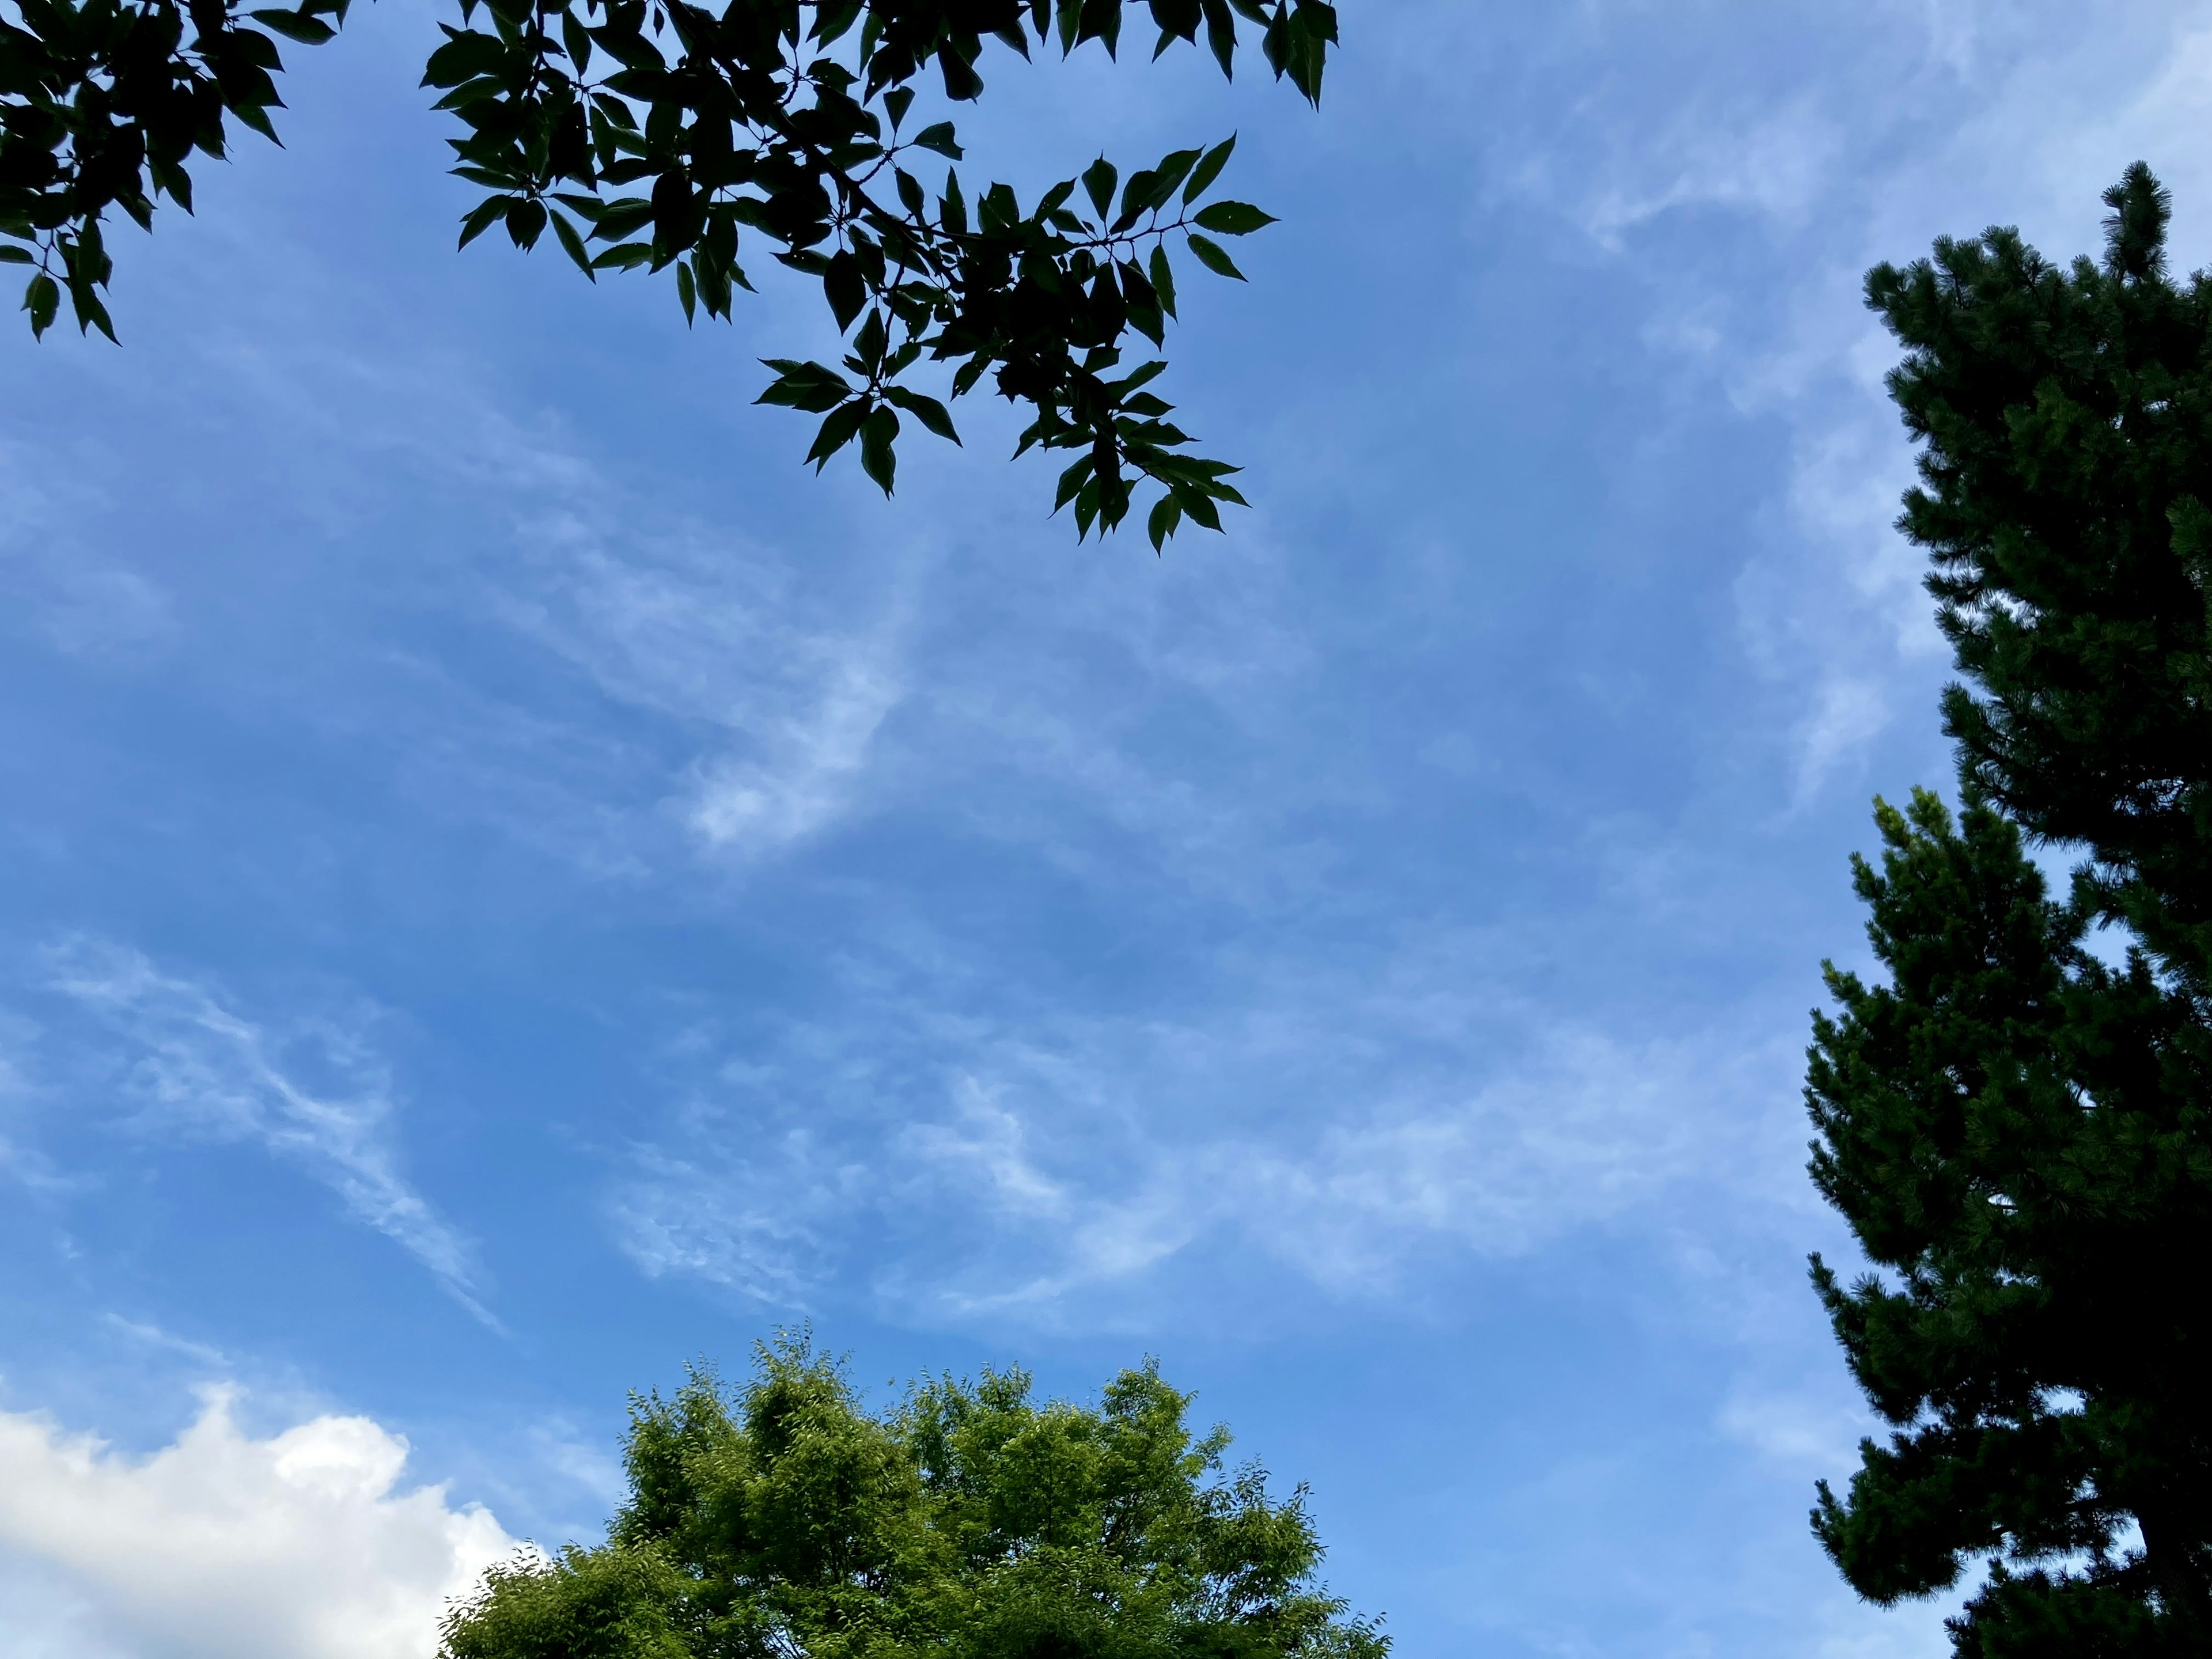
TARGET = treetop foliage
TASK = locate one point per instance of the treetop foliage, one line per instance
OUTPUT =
(2066, 415)
(781, 1518)
(662, 135)
(2019, 1130)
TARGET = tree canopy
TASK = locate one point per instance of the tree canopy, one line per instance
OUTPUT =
(780, 1519)
(668, 135)
(2016, 1125)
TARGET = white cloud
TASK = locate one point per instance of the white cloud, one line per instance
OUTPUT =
(2056, 109)
(779, 715)
(752, 1221)
(813, 755)
(1774, 164)
(300, 1545)
(1815, 1435)
(86, 605)
(1342, 1129)
(200, 1067)
(1926, 119)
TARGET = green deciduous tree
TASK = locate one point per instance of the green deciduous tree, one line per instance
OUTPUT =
(781, 1520)
(672, 136)
(2016, 1126)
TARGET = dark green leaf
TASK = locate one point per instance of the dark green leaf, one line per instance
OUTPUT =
(1167, 513)
(525, 222)
(297, 25)
(1232, 218)
(482, 217)
(41, 298)
(938, 136)
(877, 433)
(809, 386)
(930, 412)
(845, 288)
(572, 245)
(1208, 169)
(1098, 181)
(621, 217)
(578, 39)
(1213, 257)
(836, 431)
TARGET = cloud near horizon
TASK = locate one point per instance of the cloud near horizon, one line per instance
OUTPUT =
(302, 1545)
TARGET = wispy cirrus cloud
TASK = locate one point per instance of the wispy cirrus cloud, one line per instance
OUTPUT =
(194, 1065)
(1751, 193)
(779, 713)
(1342, 1131)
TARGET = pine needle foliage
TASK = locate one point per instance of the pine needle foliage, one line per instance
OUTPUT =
(2015, 1125)
(781, 1520)
(2066, 415)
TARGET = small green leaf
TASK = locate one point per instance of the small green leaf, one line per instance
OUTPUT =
(525, 222)
(1098, 181)
(836, 431)
(1167, 513)
(578, 39)
(1214, 256)
(687, 290)
(573, 245)
(621, 217)
(938, 136)
(909, 194)
(91, 315)
(877, 433)
(481, 218)
(898, 101)
(297, 25)
(1221, 34)
(845, 288)
(1201, 508)
(1174, 168)
(870, 343)
(930, 412)
(962, 83)
(41, 298)
(1072, 482)
(1136, 197)
(809, 386)
(1162, 276)
(1232, 218)
(1208, 169)
(15, 256)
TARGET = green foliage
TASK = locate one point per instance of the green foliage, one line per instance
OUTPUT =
(2016, 1130)
(661, 134)
(2067, 415)
(781, 1518)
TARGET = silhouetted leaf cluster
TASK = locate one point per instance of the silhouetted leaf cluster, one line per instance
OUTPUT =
(669, 137)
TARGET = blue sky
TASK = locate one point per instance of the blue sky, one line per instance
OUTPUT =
(516, 884)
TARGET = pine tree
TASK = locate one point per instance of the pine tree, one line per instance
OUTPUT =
(2016, 1129)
